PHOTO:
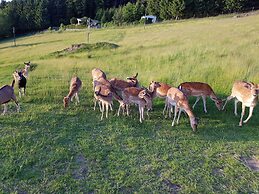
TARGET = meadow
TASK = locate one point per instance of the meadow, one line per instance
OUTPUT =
(48, 149)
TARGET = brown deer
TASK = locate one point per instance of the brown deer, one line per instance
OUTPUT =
(140, 97)
(103, 95)
(178, 99)
(6, 95)
(75, 86)
(247, 94)
(161, 92)
(200, 90)
(120, 85)
(99, 76)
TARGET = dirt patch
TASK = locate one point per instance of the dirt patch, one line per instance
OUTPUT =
(81, 171)
(76, 48)
(251, 163)
(175, 188)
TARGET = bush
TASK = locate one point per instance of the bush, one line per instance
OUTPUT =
(73, 20)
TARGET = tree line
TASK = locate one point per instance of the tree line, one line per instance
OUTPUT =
(34, 15)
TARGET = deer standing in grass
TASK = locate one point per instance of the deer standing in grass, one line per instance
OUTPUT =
(6, 95)
(130, 95)
(75, 86)
(178, 99)
(100, 77)
(103, 95)
(25, 71)
(247, 94)
(140, 97)
(161, 92)
(200, 90)
(21, 81)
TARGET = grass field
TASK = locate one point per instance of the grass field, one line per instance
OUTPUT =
(47, 149)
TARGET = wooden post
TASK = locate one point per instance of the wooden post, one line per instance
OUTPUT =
(14, 41)
(88, 37)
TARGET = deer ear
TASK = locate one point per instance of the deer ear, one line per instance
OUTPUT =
(136, 75)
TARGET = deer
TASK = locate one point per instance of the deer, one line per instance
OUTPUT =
(179, 100)
(21, 80)
(99, 76)
(161, 92)
(75, 86)
(25, 71)
(103, 95)
(98, 73)
(120, 85)
(142, 98)
(200, 90)
(133, 92)
(247, 94)
(6, 95)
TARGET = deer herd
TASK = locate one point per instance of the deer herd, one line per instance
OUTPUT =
(128, 92)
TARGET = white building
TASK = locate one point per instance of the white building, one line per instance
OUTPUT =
(151, 18)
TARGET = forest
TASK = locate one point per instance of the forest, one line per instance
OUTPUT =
(34, 15)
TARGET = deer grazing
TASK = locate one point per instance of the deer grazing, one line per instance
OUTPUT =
(140, 97)
(75, 86)
(200, 90)
(21, 80)
(247, 94)
(178, 99)
(7, 94)
(25, 71)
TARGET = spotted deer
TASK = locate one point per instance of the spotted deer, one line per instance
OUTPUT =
(75, 86)
(178, 99)
(247, 94)
(200, 90)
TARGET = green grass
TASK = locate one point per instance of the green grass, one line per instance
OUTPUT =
(47, 149)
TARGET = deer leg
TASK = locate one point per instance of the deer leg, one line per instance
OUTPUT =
(16, 102)
(228, 99)
(204, 104)
(95, 102)
(165, 108)
(179, 114)
(175, 113)
(169, 109)
(148, 113)
(119, 109)
(5, 109)
(107, 109)
(77, 98)
(242, 115)
(235, 111)
(140, 114)
(127, 109)
(250, 114)
(197, 100)
(102, 110)
(20, 93)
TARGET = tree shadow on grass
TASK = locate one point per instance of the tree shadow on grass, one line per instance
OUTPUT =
(31, 44)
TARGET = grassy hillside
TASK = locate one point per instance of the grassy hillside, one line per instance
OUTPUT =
(48, 149)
